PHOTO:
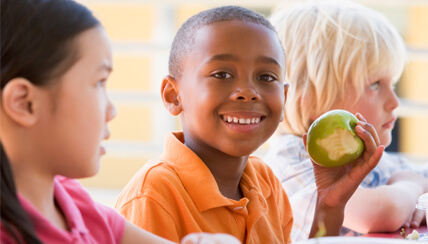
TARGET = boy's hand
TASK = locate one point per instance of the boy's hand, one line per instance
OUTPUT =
(335, 186)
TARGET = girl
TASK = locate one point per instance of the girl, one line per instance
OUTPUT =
(342, 55)
(54, 111)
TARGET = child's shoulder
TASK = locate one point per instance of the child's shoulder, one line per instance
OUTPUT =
(155, 177)
(153, 172)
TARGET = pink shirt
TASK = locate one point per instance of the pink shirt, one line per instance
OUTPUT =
(88, 221)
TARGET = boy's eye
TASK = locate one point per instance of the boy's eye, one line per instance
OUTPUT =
(268, 78)
(222, 75)
(375, 86)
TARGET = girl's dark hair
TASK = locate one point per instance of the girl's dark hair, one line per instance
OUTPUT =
(36, 44)
(37, 38)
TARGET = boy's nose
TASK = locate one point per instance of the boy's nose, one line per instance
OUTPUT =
(246, 95)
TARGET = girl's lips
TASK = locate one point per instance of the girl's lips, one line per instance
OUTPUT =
(102, 150)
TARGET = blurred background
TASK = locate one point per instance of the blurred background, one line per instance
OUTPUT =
(142, 31)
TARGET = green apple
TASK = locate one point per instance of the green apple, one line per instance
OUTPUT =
(332, 140)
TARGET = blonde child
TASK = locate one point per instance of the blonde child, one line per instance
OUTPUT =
(226, 83)
(54, 110)
(341, 55)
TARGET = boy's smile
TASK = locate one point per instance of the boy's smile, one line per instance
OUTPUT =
(231, 91)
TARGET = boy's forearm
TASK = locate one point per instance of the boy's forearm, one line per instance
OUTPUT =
(327, 221)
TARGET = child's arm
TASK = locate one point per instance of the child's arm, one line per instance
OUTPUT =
(134, 234)
(335, 186)
(416, 181)
(384, 208)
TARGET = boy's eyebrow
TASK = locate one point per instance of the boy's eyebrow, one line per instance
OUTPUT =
(224, 57)
(269, 60)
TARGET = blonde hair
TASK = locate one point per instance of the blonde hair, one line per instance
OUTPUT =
(332, 47)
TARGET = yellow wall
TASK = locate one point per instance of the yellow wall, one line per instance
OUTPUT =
(414, 131)
(140, 62)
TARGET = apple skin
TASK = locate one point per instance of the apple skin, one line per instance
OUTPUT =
(332, 140)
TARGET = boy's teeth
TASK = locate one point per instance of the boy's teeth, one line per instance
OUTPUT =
(247, 121)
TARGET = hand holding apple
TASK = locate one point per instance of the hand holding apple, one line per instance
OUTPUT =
(336, 185)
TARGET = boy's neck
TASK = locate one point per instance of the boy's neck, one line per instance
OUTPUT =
(227, 170)
(227, 174)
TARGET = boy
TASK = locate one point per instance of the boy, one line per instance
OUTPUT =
(353, 56)
(226, 83)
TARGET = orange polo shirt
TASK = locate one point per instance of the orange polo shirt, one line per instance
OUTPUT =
(178, 195)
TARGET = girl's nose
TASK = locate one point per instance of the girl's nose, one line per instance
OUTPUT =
(392, 102)
(111, 111)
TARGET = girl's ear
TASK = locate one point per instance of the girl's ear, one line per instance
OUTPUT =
(18, 101)
(170, 95)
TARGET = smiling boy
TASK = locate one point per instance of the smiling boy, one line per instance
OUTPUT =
(226, 84)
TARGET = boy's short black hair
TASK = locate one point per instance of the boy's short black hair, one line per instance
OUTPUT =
(185, 37)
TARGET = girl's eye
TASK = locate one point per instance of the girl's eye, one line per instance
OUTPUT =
(375, 86)
(268, 78)
(222, 75)
(102, 83)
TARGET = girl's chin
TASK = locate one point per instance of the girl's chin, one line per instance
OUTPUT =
(386, 141)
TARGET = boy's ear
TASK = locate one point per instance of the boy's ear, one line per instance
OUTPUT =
(286, 86)
(170, 95)
(18, 101)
